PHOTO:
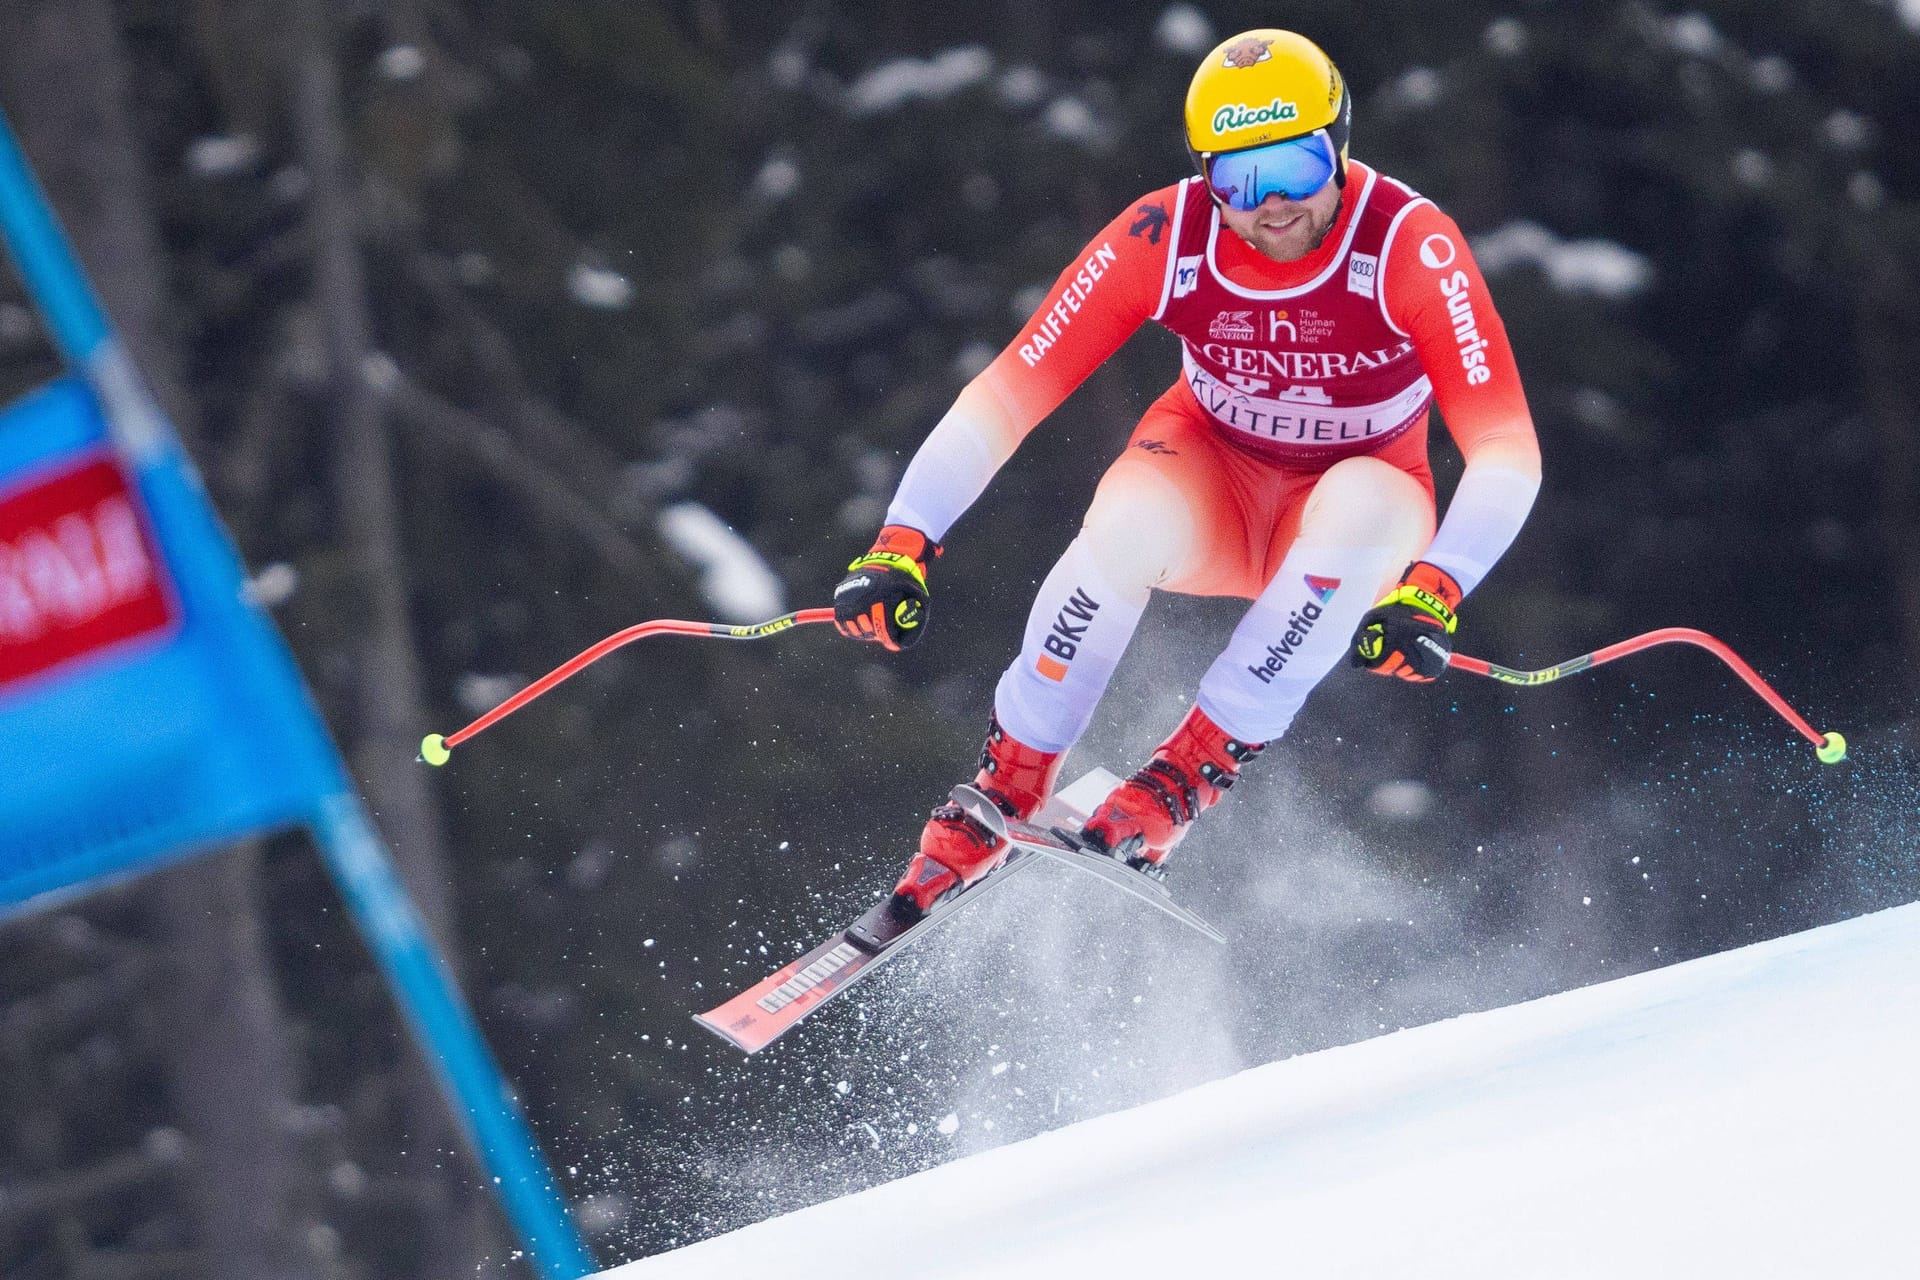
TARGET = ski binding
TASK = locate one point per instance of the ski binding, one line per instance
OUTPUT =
(779, 1002)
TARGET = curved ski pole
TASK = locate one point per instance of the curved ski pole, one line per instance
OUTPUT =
(435, 749)
(1830, 747)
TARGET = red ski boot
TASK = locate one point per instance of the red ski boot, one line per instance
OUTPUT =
(1143, 818)
(955, 850)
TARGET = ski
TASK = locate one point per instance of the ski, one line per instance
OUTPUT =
(1058, 844)
(778, 1003)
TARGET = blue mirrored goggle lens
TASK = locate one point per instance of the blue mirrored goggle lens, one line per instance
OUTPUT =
(1295, 169)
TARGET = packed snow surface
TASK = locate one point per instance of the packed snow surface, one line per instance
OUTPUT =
(1747, 1114)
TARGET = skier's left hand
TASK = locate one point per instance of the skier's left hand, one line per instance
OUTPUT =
(884, 597)
(1407, 634)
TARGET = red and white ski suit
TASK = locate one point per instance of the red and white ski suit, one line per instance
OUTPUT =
(1287, 465)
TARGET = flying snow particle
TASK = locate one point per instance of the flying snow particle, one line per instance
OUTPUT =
(1866, 191)
(1506, 37)
(323, 1241)
(1418, 87)
(1847, 130)
(274, 585)
(792, 263)
(972, 360)
(778, 178)
(476, 692)
(599, 288)
(164, 1145)
(475, 269)
(402, 62)
(221, 155)
(1183, 29)
(949, 1125)
(1027, 300)
(1695, 34)
(1022, 87)
(1773, 73)
(599, 1214)
(1404, 800)
(1072, 120)
(788, 66)
(1751, 168)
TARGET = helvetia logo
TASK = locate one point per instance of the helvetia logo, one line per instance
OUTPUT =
(1322, 588)
(1299, 623)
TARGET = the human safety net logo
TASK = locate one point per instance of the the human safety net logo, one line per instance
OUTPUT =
(78, 570)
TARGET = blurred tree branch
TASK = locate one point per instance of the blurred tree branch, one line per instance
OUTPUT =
(451, 427)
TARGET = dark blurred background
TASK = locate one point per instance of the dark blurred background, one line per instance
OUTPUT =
(482, 319)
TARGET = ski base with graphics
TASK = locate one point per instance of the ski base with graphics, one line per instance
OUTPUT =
(776, 1005)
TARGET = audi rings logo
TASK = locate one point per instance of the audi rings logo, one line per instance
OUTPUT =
(1437, 251)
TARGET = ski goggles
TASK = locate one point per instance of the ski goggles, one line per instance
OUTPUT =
(1294, 169)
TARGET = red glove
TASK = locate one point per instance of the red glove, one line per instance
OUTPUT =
(883, 598)
(1407, 633)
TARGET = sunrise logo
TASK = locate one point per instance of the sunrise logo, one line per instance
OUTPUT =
(1322, 588)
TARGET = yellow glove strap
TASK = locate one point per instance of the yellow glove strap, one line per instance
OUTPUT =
(891, 560)
(1422, 599)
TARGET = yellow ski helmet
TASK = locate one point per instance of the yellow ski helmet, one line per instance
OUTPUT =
(1263, 86)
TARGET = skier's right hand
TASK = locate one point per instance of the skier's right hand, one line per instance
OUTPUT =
(883, 598)
(1409, 633)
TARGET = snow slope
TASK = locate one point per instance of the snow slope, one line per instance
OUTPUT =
(1755, 1113)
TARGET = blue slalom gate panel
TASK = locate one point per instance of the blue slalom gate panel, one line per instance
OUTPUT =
(147, 710)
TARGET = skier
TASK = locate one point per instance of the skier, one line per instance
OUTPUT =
(1321, 306)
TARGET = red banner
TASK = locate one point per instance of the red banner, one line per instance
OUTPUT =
(78, 570)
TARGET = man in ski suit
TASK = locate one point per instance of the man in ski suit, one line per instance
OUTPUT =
(1321, 306)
